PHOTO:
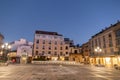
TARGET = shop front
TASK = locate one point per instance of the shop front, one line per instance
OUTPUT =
(111, 61)
(24, 58)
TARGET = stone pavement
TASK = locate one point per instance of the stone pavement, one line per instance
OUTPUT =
(57, 72)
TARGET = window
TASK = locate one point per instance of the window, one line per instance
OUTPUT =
(55, 37)
(118, 42)
(104, 45)
(55, 53)
(112, 51)
(60, 48)
(66, 47)
(119, 51)
(37, 47)
(43, 47)
(99, 41)
(61, 43)
(43, 52)
(49, 48)
(92, 44)
(95, 42)
(37, 41)
(61, 53)
(55, 42)
(49, 52)
(118, 37)
(43, 36)
(55, 48)
(43, 41)
(25, 51)
(51, 37)
(110, 40)
(61, 38)
(105, 51)
(36, 52)
(49, 42)
(75, 51)
(66, 53)
(66, 58)
(118, 33)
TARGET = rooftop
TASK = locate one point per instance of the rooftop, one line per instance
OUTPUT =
(47, 32)
(107, 28)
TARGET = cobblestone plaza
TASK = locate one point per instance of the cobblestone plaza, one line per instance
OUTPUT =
(57, 72)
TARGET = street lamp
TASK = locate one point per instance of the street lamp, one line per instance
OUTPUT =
(5, 49)
(98, 50)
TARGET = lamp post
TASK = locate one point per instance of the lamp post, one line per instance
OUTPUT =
(98, 50)
(5, 49)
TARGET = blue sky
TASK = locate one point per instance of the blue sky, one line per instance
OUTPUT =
(75, 19)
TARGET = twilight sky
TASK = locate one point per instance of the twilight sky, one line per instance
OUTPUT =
(75, 19)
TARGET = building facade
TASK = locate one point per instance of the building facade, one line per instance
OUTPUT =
(21, 51)
(86, 52)
(25, 52)
(1, 42)
(50, 46)
(1, 39)
(76, 54)
(105, 46)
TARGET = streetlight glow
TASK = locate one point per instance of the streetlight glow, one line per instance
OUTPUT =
(98, 50)
(98, 47)
(95, 50)
(6, 44)
(4, 52)
(9, 47)
(2, 46)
